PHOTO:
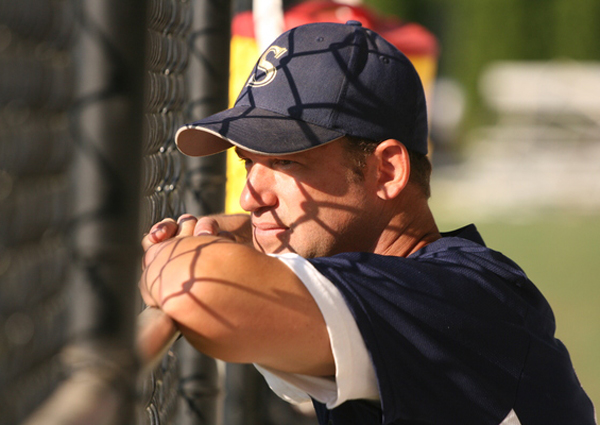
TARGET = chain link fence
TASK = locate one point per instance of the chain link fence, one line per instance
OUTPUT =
(91, 94)
(63, 68)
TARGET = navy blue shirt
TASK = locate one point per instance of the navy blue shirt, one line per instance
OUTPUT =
(457, 334)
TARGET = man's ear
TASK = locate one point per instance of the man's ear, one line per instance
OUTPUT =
(393, 169)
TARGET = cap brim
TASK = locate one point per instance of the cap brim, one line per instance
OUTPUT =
(254, 129)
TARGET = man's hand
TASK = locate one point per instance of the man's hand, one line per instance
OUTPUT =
(229, 300)
(163, 236)
(235, 227)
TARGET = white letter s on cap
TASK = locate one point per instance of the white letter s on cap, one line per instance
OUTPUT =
(267, 67)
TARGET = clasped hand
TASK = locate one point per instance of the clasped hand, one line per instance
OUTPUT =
(186, 225)
(166, 232)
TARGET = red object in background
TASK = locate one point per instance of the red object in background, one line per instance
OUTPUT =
(410, 38)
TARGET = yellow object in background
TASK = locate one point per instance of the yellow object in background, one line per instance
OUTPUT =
(244, 53)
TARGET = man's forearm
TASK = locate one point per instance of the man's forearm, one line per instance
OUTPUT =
(229, 300)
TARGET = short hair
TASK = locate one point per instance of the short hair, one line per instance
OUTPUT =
(359, 150)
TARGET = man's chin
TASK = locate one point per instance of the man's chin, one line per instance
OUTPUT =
(273, 247)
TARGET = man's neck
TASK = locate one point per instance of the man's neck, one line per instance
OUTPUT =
(408, 232)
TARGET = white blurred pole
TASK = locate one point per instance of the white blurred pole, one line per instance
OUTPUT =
(268, 21)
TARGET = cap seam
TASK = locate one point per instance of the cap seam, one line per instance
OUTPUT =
(344, 86)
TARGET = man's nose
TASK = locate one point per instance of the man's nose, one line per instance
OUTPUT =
(259, 189)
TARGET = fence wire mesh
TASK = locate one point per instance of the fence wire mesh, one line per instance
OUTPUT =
(62, 103)
(167, 58)
(38, 68)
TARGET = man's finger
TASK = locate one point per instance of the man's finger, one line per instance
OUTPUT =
(160, 232)
(206, 226)
(186, 223)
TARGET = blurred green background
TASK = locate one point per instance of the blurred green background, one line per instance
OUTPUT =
(473, 33)
(557, 244)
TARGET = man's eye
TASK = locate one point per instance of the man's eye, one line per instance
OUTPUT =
(282, 162)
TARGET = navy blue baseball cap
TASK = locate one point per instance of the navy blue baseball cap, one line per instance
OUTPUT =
(317, 83)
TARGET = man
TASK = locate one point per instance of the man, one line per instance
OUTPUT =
(347, 293)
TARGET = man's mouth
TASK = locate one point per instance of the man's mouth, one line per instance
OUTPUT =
(269, 228)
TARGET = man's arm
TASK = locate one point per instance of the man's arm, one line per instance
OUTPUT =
(237, 304)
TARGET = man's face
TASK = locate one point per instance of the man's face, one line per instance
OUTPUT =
(310, 203)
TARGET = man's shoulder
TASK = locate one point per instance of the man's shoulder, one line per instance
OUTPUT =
(461, 246)
(458, 260)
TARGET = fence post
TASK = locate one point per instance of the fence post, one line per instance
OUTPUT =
(107, 123)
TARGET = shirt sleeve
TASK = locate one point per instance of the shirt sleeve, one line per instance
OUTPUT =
(355, 376)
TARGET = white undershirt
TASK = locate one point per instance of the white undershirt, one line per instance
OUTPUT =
(354, 377)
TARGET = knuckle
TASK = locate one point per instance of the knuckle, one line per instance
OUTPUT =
(186, 219)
